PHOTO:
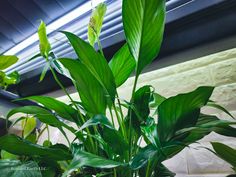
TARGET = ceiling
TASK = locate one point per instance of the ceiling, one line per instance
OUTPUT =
(20, 18)
(189, 23)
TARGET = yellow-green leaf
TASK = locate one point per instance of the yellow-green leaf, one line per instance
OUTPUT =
(44, 44)
(95, 23)
(28, 125)
(7, 60)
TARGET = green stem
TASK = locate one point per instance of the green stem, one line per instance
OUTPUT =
(100, 47)
(119, 121)
(130, 118)
(115, 173)
(48, 132)
(40, 133)
(121, 111)
(148, 169)
(112, 118)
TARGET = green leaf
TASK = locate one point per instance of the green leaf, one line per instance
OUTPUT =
(44, 44)
(111, 136)
(28, 126)
(82, 159)
(95, 63)
(181, 111)
(156, 100)
(214, 105)
(7, 155)
(44, 71)
(42, 114)
(19, 146)
(63, 110)
(122, 65)
(95, 23)
(142, 157)
(143, 23)
(90, 90)
(15, 168)
(225, 152)
(7, 60)
(140, 107)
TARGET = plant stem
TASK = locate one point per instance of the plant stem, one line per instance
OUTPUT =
(130, 118)
(148, 169)
(121, 111)
(40, 133)
(115, 173)
(48, 132)
(112, 118)
(100, 46)
(119, 120)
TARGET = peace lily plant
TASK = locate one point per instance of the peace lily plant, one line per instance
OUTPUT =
(100, 147)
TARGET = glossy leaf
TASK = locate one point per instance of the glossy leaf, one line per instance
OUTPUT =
(63, 110)
(82, 158)
(181, 111)
(111, 136)
(143, 156)
(19, 146)
(156, 100)
(7, 155)
(16, 168)
(95, 23)
(162, 171)
(143, 23)
(42, 114)
(225, 152)
(44, 44)
(95, 63)
(90, 90)
(122, 65)
(7, 60)
(140, 107)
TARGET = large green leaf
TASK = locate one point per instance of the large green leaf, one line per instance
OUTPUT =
(82, 158)
(42, 114)
(181, 111)
(225, 152)
(7, 60)
(95, 23)
(90, 90)
(111, 136)
(122, 65)
(63, 110)
(16, 168)
(163, 171)
(44, 44)
(95, 62)
(143, 22)
(19, 146)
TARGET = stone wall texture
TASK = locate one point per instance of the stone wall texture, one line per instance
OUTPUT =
(217, 70)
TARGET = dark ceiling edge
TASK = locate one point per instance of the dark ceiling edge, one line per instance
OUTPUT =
(200, 28)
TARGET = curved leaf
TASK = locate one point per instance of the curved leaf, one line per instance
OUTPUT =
(95, 63)
(143, 22)
(111, 136)
(181, 111)
(19, 146)
(90, 90)
(82, 158)
(7, 60)
(63, 110)
(225, 152)
(122, 65)
(95, 23)
(44, 44)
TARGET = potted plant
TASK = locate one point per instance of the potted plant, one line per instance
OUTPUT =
(101, 146)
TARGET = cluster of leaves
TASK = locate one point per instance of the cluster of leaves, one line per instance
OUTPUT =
(8, 79)
(134, 141)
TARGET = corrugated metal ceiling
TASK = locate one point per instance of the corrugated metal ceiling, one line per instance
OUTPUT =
(19, 18)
